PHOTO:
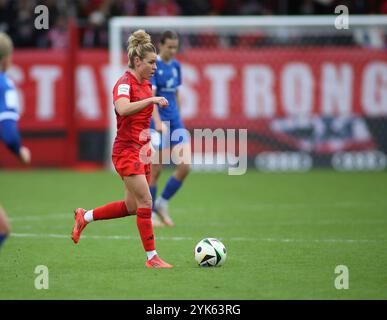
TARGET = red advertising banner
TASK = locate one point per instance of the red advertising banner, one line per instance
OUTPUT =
(225, 88)
(218, 85)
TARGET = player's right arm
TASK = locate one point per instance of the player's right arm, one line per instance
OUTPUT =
(125, 108)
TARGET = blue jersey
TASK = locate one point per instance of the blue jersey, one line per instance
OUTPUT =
(9, 102)
(9, 114)
(166, 80)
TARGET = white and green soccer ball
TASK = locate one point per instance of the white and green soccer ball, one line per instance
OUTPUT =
(210, 252)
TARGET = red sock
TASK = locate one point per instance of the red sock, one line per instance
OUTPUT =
(145, 227)
(111, 210)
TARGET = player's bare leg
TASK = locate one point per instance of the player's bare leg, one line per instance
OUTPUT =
(130, 200)
(112, 210)
(138, 186)
(4, 226)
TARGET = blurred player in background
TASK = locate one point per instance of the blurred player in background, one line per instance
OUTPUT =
(9, 104)
(4, 226)
(166, 82)
(134, 105)
(9, 115)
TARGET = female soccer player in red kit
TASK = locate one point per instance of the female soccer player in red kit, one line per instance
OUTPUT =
(134, 104)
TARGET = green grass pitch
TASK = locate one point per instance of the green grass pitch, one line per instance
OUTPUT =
(285, 234)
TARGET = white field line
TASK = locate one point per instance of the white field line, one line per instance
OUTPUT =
(122, 237)
(239, 207)
(54, 216)
(274, 221)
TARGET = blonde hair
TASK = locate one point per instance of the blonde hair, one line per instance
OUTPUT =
(6, 45)
(139, 43)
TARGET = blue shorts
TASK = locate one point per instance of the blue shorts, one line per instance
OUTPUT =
(176, 134)
(10, 135)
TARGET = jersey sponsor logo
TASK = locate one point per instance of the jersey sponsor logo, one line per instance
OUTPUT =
(123, 89)
(170, 83)
(168, 89)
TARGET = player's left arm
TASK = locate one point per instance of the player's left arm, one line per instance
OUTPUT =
(9, 132)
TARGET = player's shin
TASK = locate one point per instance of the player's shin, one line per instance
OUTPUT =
(171, 187)
(145, 228)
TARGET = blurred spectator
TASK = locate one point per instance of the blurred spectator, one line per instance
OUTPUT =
(25, 33)
(52, 6)
(218, 7)
(58, 34)
(124, 8)
(383, 7)
(17, 16)
(324, 6)
(194, 7)
(162, 8)
(96, 33)
(7, 15)
(42, 36)
(253, 7)
(307, 7)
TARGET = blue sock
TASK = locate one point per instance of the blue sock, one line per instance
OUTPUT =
(2, 238)
(171, 187)
(153, 191)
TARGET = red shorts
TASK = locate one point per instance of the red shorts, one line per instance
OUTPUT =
(128, 163)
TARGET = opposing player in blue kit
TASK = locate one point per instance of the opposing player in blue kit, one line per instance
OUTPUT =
(9, 104)
(9, 115)
(175, 140)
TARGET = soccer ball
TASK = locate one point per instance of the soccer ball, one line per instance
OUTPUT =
(210, 252)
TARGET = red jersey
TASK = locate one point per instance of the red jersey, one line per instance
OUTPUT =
(131, 130)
